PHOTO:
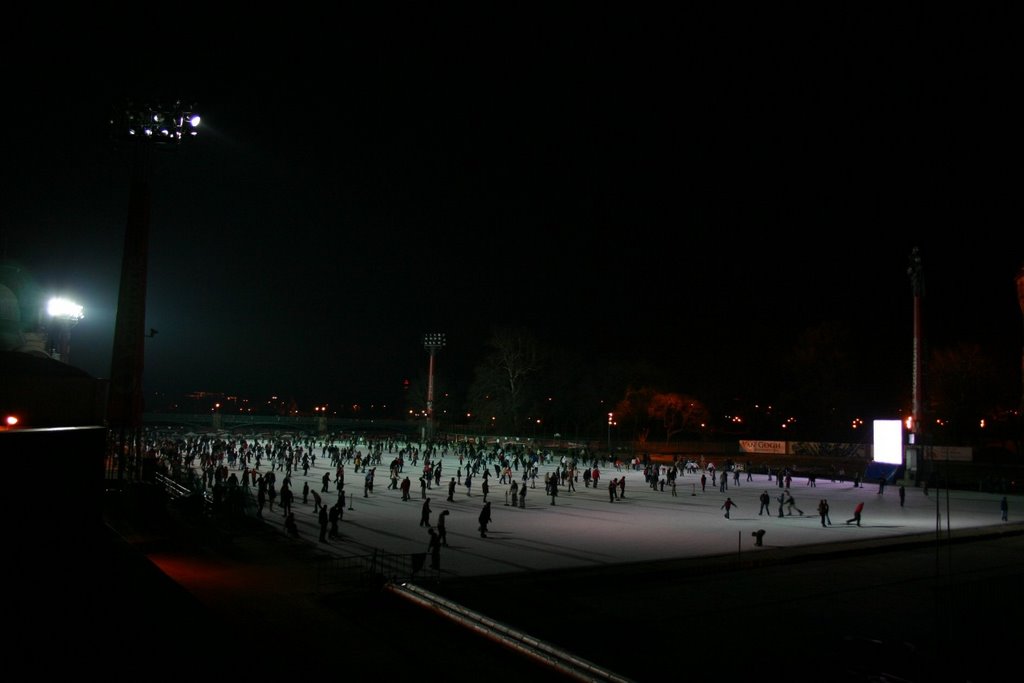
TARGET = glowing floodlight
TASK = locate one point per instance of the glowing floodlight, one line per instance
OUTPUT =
(65, 309)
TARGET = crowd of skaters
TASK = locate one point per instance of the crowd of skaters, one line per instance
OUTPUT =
(261, 470)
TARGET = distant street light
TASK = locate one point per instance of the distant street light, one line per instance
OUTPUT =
(432, 342)
(66, 314)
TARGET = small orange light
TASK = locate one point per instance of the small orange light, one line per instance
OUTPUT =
(10, 420)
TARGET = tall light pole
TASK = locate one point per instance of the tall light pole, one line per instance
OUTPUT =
(66, 314)
(1020, 299)
(147, 126)
(432, 342)
(916, 273)
(611, 421)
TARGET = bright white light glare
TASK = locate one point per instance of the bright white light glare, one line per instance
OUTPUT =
(888, 442)
(194, 121)
(64, 308)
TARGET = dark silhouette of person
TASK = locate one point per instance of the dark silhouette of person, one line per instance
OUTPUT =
(324, 519)
(334, 516)
(434, 548)
(425, 513)
(758, 537)
(290, 526)
(903, 494)
(727, 505)
(442, 527)
(484, 519)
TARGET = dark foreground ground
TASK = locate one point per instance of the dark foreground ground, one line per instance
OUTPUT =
(915, 609)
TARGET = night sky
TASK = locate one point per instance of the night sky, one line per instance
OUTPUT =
(694, 191)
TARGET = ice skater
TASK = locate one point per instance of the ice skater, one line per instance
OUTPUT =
(856, 513)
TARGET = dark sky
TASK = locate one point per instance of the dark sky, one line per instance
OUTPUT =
(694, 190)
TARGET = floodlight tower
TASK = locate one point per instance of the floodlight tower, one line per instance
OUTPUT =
(432, 342)
(65, 314)
(1020, 299)
(916, 273)
(147, 126)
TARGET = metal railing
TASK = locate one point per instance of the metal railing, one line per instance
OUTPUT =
(375, 570)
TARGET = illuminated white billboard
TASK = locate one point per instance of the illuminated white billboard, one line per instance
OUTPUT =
(888, 446)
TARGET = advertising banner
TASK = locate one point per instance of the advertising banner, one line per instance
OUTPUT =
(773, 447)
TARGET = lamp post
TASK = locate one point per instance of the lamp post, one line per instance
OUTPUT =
(66, 314)
(916, 273)
(147, 126)
(611, 421)
(1020, 300)
(432, 342)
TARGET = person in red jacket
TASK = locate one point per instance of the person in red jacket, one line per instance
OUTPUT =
(856, 514)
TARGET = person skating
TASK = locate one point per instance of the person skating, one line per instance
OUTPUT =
(791, 504)
(728, 505)
(324, 519)
(484, 519)
(856, 514)
(434, 548)
(425, 513)
(334, 516)
(822, 510)
(290, 526)
(442, 527)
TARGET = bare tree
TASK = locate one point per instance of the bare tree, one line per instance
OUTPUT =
(964, 386)
(677, 413)
(504, 384)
